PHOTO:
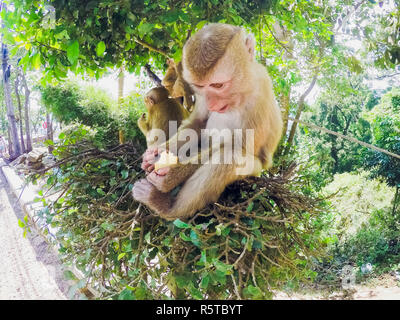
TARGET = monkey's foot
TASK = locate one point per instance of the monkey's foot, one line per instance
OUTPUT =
(144, 192)
(141, 191)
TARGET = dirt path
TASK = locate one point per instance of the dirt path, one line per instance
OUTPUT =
(29, 269)
(384, 287)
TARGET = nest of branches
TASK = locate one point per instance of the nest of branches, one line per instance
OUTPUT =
(257, 237)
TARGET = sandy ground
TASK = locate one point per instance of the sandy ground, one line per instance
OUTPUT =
(384, 287)
(29, 268)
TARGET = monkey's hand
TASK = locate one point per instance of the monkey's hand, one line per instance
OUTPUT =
(167, 178)
(150, 157)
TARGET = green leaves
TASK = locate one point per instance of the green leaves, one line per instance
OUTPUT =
(193, 236)
(180, 224)
(124, 174)
(107, 226)
(127, 294)
(100, 48)
(145, 28)
(253, 292)
(24, 225)
(35, 61)
(223, 267)
(73, 52)
(85, 31)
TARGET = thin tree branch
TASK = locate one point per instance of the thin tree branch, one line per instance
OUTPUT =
(150, 47)
(276, 39)
(299, 111)
(153, 77)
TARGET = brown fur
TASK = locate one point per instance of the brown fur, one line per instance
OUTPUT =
(207, 46)
(161, 110)
(216, 52)
(175, 84)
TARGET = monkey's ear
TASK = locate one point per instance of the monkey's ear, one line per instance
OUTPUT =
(151, 101)
(250, 44)
(170, 62)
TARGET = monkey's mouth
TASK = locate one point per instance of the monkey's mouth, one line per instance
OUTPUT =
(223, 109)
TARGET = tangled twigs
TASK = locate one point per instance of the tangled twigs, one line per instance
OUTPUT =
(240, 247)
(90, 154)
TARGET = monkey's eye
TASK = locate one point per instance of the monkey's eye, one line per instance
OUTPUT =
(217, 85)
(198, 86)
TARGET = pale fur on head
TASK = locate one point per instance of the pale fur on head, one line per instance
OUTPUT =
(209, 52)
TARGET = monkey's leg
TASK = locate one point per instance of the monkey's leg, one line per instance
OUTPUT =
(203, 187)
(168, 178)
(175, 175)
(144, 192)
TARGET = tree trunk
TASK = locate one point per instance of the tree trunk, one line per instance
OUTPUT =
(10, 146)
(285, 106)
(284, 103)
(49, 131)
(298, 114)
(14, 142)
(395, 201)
(26, 112)
(121, 80)
(21, 128)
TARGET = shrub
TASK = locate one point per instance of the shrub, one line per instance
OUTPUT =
(257, 238)
(355, 198)
(92, 107)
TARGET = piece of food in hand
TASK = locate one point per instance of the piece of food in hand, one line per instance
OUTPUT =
(166, 159)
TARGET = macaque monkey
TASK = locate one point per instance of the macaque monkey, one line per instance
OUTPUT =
(232, 93)
(161, 110)
(176, 85)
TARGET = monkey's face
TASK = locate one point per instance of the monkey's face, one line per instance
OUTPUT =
(221, 89)
(218, 94)
(217, 64)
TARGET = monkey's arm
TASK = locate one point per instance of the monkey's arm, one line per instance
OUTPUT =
(196, 122)
(168, 178)
(203, 187)
(203, 184)
(176, 174)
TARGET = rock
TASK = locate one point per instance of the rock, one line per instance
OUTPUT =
(34, 165)
(22, 159)
(48, 160)
(19, 160)
(35, 156)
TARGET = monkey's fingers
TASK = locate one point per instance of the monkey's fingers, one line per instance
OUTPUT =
(160, 182)
(150, 168)
(150, 154)
(150, 157)
(162, 171)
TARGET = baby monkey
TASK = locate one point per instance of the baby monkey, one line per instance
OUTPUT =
(177, 87)
(161, 110)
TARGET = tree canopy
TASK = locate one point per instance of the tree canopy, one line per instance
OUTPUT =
(265, 233)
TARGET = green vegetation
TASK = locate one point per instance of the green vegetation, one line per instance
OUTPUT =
(325, 204)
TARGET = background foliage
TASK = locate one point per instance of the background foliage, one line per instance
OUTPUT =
(270, 233)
